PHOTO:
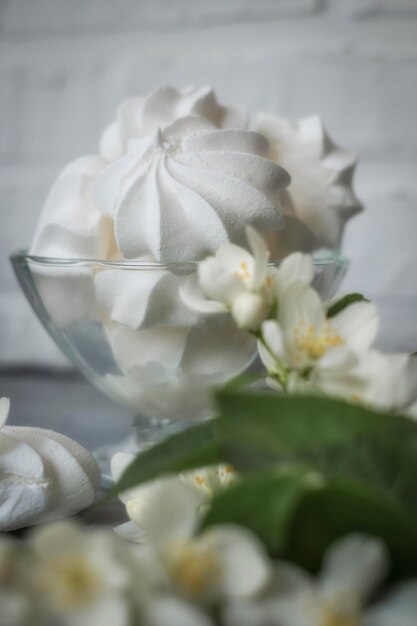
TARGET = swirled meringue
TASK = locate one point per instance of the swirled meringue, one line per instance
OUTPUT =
(139, 117)
(43, 475)
(178, 194)
(320, 198)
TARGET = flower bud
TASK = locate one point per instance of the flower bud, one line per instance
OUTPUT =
(249, 310)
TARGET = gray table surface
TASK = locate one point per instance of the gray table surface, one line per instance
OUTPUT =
(68, 404)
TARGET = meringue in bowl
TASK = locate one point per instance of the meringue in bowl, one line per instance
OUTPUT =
(125, 327)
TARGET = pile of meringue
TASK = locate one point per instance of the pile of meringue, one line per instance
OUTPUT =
(44, 475)
(176, 175)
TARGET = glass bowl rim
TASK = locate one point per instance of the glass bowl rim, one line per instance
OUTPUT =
(323, 259)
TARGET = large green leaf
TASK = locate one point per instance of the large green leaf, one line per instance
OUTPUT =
(258, 430)
(333, 437)
(298, 516)
(342, 507)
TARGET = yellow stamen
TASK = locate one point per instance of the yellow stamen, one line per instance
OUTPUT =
(243, 272)
(72, 582)
(194, 569)
(332, 618)
(329, 613)
(316, 342)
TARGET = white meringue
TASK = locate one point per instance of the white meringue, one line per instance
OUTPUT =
(143, 298)
(43, 475)
(178, 194)
(179, 174)
(25, 490)
(320, 195)
(169, 372)
(71, 227)
(140, 117)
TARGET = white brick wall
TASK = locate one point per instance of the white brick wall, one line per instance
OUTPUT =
(391, 8)
(65, 64)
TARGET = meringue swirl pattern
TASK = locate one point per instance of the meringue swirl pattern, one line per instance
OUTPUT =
(178, 194)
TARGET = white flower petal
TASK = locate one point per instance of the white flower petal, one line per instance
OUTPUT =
(403, 379)
(119, 462)
(273, 338)
(357, 324)
(261, 256)
(353, 567)
(249, 310)
(131, 532)
(297, 267)
(107, 555)
(58, 538)
(340, 373)
(4, 410)
(301, 305)
(170, 514)
(193, 296)
(278, 605)
(301, 317)
(109, 610)
(246, 567)
(398, 609)
(170, 611)
(231, 256)
(218, 282)
(391, 380)
(15, 607)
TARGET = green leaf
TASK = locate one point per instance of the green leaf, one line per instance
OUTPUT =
(344, 302)
(263, 502)
(257, 430)
(328, 468)
(194, 448)
(243, 381)
(342, 507)
(297, 515)
(332, 437)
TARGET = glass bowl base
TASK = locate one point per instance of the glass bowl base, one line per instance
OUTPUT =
(146, 432)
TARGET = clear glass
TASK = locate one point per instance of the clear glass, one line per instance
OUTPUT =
(125, 327)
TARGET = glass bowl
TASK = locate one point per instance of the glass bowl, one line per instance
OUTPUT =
(125, 327)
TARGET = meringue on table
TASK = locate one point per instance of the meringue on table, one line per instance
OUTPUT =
(44, 475)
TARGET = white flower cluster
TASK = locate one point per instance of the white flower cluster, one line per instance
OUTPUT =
(202, 484)
(76, 576)
(304, 346)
